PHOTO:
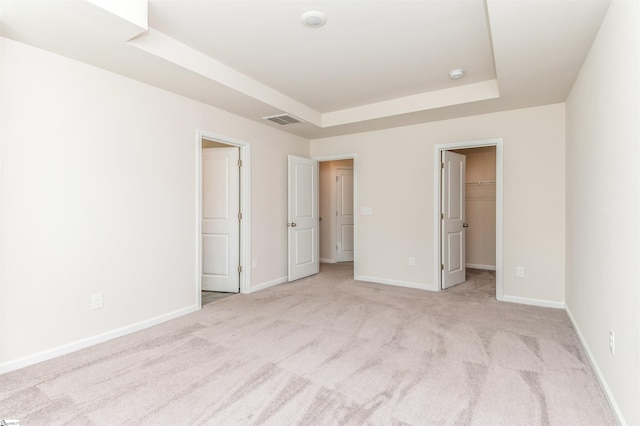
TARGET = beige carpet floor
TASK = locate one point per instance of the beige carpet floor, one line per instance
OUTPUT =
(213, 296)
(326, 350)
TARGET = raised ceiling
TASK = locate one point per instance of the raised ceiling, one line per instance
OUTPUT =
(374, 64)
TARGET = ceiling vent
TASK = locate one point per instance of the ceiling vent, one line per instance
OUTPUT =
(284, 119)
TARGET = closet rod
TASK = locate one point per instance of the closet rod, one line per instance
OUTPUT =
(481, 182)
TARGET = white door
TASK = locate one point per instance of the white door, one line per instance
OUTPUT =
(453, 226)
(303, 223)
(220, 219)
(344, 215)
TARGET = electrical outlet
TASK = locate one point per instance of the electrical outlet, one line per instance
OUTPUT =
(612, 342)
(412, 261)
(96, 301)
(520, 271)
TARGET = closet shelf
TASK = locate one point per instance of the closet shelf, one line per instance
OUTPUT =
(481, 182)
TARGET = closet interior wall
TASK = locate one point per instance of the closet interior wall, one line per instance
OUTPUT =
(480, 207)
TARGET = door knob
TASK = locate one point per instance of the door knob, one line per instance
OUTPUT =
(465, 225)
(293, 225)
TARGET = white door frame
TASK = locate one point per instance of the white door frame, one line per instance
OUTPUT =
(353, 157)
(245, 197)
(437, 190)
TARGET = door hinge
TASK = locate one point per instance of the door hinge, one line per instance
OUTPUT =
(336, 213)
(239, 269)
(239, 215)
(239, 163)
(441, 215)
(337, 178)
(442, 266)
(442, 165)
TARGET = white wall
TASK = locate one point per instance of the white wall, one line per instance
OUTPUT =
(98, 195)
(395, 178)
(603, 193)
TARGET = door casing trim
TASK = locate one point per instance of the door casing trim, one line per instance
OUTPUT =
(437, 194)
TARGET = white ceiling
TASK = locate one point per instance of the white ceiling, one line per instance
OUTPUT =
(374, 64)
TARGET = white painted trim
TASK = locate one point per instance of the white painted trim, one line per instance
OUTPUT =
(533, 302)
(3, 330)
(499, 217)
(198, 236)
(268, 284)
(437, 261)
(336, 157)
(397, 283)
(93, 340)
(354, 157)
(596, 368)
(328, 260)
(245, 208)
(477, 266)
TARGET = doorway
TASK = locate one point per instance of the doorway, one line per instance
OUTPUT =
(485, 193)
(338, 201)
(336, 211)
(222, 219)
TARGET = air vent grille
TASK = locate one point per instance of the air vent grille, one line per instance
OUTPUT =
(284, 119)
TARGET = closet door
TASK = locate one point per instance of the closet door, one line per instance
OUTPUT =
(344, 215)
(453, 217)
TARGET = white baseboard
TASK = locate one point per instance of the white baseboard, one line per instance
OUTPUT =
(268, 284)
(599, 375)
(477, 266)
(533, 302)
(408, 284)
(328, 261)
(93, 340)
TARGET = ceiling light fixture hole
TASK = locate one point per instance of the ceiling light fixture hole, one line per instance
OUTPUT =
(313, 19)
(456, 74)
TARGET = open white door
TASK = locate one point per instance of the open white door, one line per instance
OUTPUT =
(452, 218)
(220, 219)
(303, 223)
(344, 215)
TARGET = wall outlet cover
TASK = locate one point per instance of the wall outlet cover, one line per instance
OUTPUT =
(97, 301)
(612, 342)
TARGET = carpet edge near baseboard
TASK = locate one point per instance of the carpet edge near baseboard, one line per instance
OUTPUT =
(599, 375)
(77, 345)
